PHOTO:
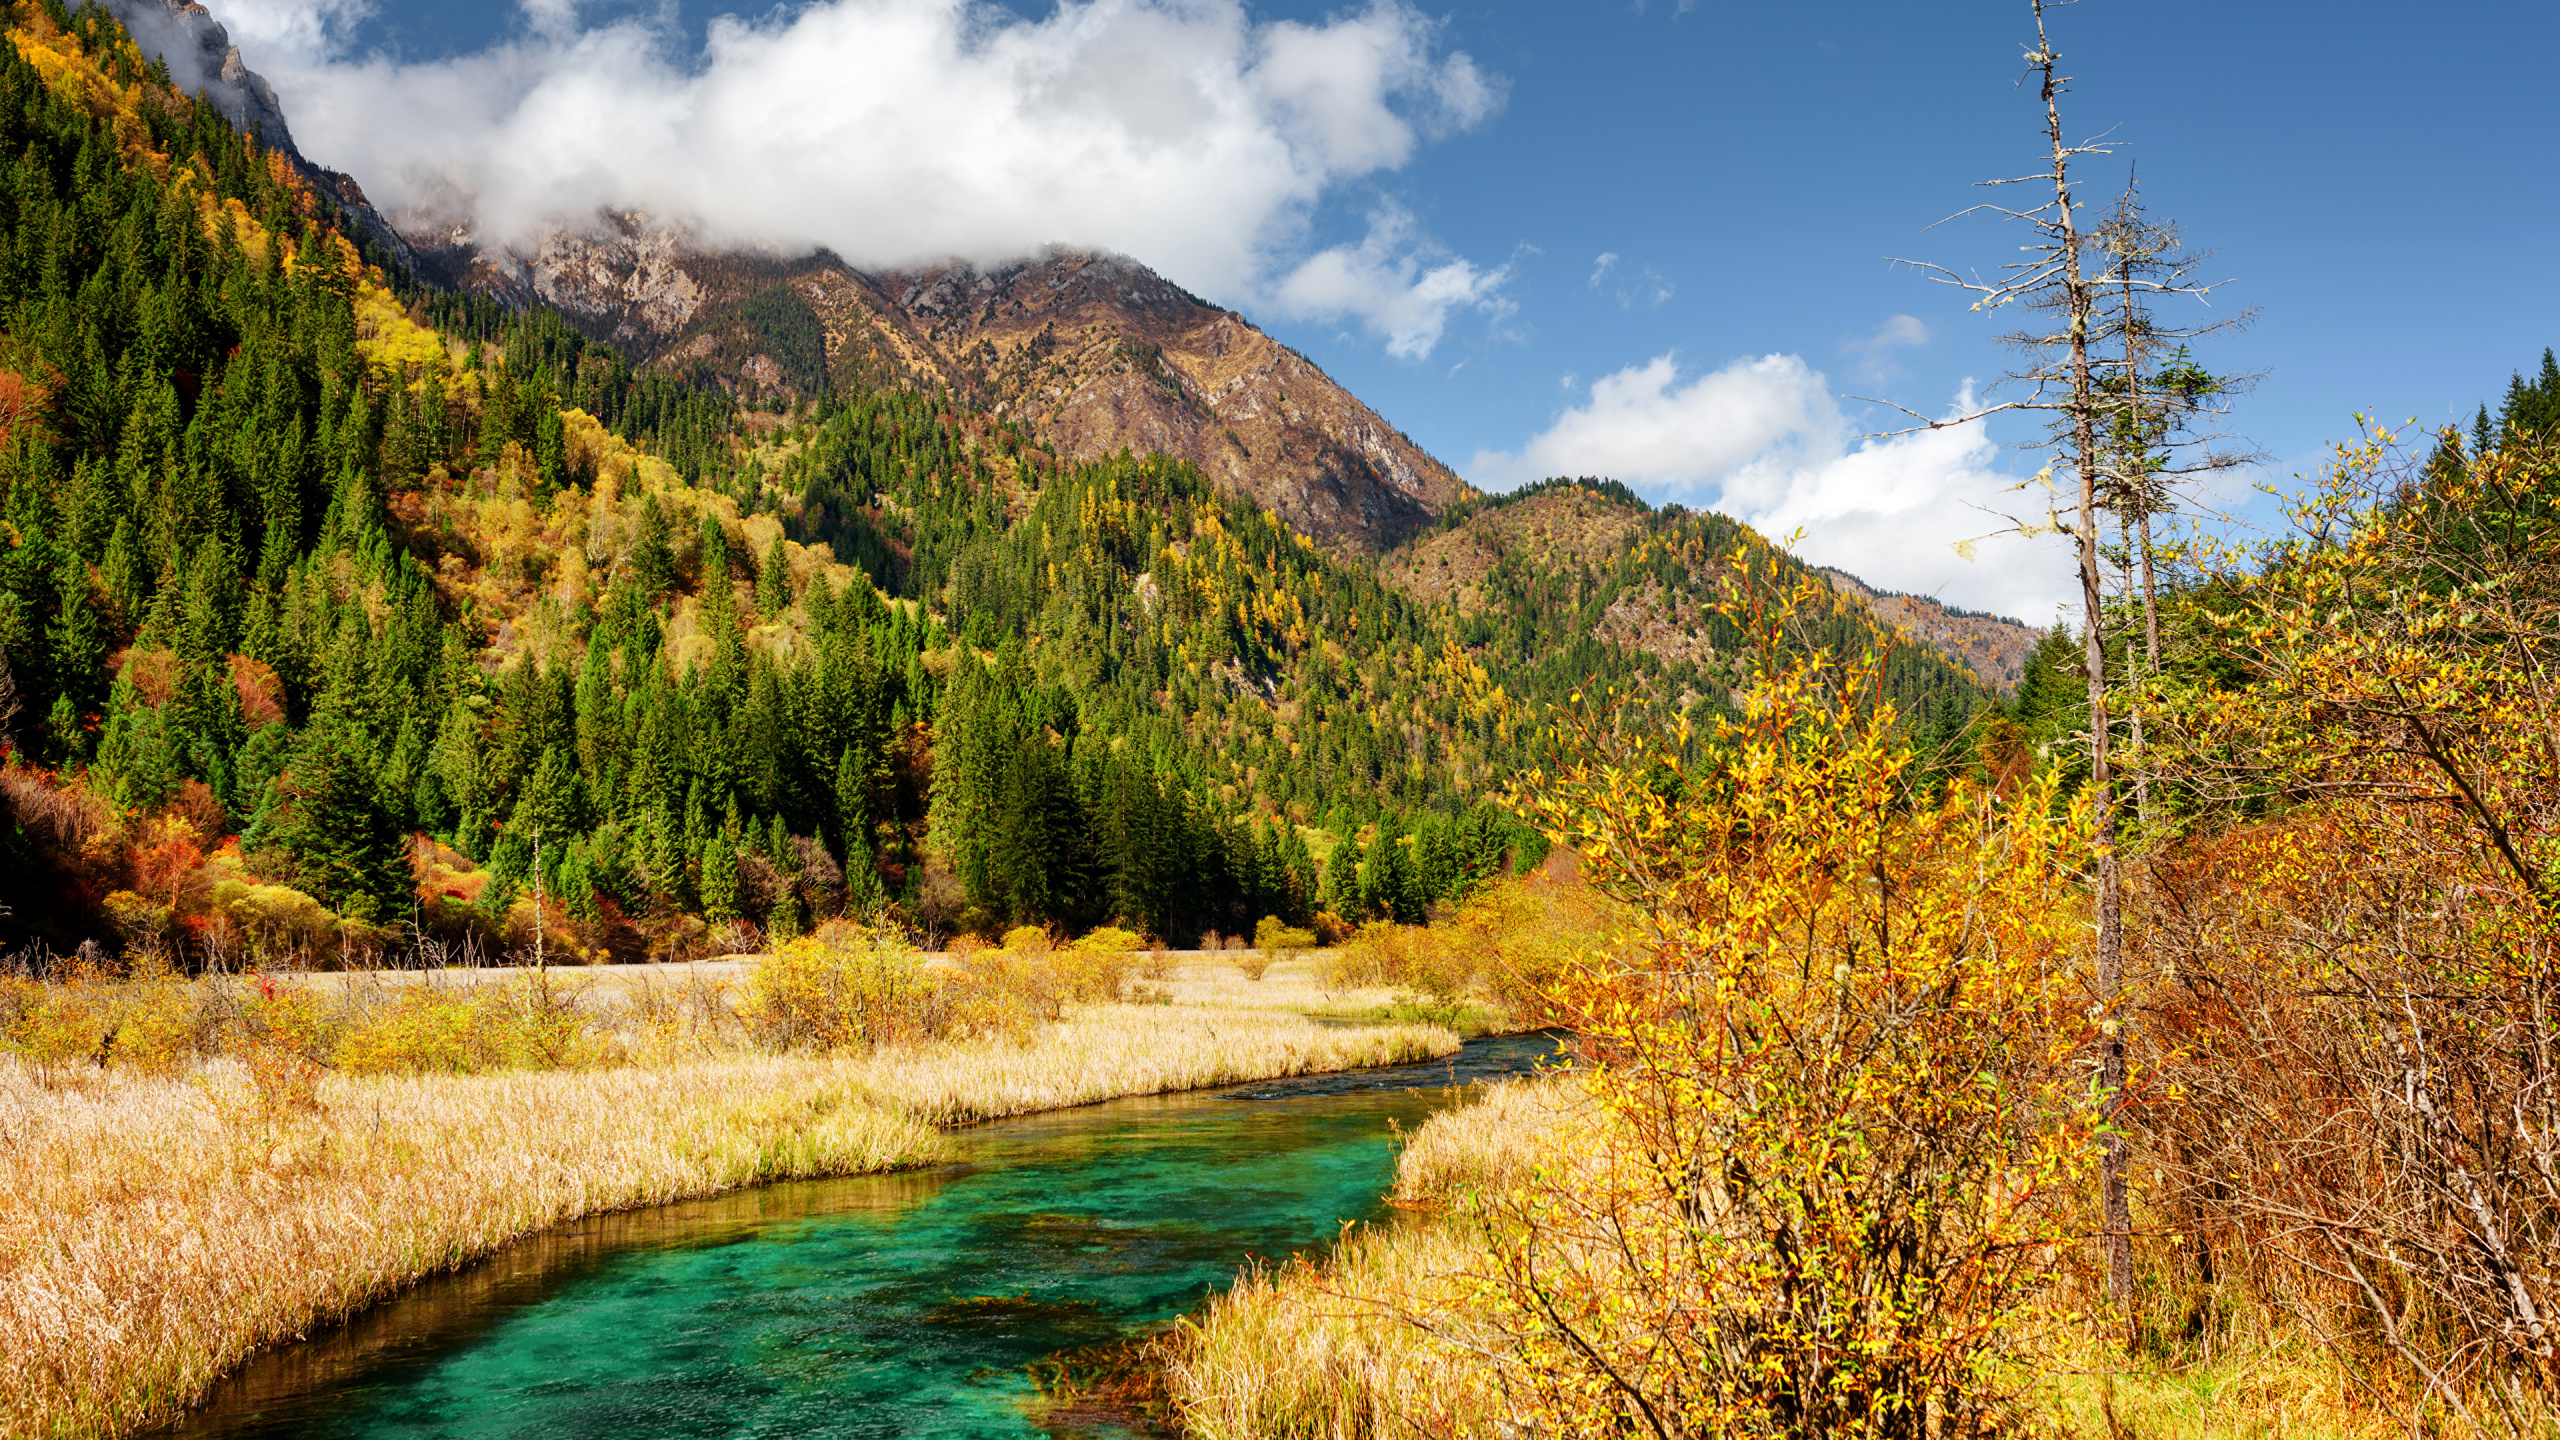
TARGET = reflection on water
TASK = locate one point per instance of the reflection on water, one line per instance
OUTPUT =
(870, 1306)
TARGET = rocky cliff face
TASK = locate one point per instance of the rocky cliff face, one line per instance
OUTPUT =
(203, 62)
(1093, 353)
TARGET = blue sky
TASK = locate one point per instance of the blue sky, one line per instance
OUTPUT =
(2375, 180)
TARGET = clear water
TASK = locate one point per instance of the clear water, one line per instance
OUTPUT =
(899, 1305)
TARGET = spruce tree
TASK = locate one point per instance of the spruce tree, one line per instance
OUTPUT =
(339, 841)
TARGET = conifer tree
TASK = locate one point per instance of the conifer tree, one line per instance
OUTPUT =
(328, 822)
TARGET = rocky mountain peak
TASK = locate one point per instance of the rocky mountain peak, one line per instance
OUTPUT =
(1091, 351)
(203, 62)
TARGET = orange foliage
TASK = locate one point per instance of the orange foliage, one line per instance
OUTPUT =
(260, 692)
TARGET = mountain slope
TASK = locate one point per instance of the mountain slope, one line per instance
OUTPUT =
(1092, 353)
(1994, 647)
(1555, 569)
(196, 53)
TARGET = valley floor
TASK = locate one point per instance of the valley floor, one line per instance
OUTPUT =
(157, 1228)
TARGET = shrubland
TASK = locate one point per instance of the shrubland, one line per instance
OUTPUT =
(1825, 1161)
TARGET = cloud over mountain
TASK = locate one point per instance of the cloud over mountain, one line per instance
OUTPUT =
(898, 132)
(1764, 441)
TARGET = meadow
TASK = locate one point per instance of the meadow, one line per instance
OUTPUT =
(192, 1169)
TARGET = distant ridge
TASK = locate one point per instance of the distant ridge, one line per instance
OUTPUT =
(1994, 647)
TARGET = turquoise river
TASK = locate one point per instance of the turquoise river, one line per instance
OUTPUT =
(916, 1304)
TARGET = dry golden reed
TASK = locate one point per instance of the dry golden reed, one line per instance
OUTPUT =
(1325, 1352)
(155, 1230)
(1331, 1351)
(1107, 1051)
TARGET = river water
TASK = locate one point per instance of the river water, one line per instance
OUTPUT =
(892, 1305)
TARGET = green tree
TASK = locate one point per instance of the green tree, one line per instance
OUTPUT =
(335, 835)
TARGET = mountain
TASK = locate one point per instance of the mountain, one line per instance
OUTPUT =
(1553, 570)
(340, 610)
(1994, 647)
(1092, 353)
(197, 55)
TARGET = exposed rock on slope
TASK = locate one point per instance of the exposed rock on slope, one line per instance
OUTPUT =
(1092, 353)
(203, 61)
(1995, 647)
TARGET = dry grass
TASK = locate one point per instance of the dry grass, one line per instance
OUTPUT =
(154, 1231)
(1324, 1352)
(2278, 1386)
(1333, 1351)
(1376, 1341)
(1107, 1050)
(1297, 983)
(1492, 1143)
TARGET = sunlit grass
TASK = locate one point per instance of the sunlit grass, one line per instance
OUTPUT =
(1374, 1341)
(156, 1229)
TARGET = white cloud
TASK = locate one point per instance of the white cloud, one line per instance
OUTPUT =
(1651, 289)
(1182, 132)
(1898, 333)
(1397, 285)
(1763, 440)
(1901, 330)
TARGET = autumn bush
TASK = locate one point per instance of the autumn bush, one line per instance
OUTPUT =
(1824, 1164)
(2357, 933)
(138, 1016)
(1820, 1167)
(848, 987)
(1837, 1117)
(520, 1022)
(1276, 934)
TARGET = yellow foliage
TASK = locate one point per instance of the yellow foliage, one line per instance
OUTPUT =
(1272, 934)
(1852, 1019)
(846, 988)
(388, 339)
(1029, 940)
(1112, 939)
(525, 1023)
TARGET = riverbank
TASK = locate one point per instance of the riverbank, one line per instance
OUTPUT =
(156, 1229)
(1385, 1337)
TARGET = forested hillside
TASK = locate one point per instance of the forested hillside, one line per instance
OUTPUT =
(342, 612)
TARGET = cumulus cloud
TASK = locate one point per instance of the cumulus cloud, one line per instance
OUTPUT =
(1397, 285)
(1183, 132)
(1764, 441)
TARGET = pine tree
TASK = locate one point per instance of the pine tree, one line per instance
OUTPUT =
(719, 883)
(773, 580)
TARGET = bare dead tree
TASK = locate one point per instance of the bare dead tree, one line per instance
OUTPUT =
(2066, 272)
(2161, 432)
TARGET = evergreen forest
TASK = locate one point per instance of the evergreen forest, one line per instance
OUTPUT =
(342, 611)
